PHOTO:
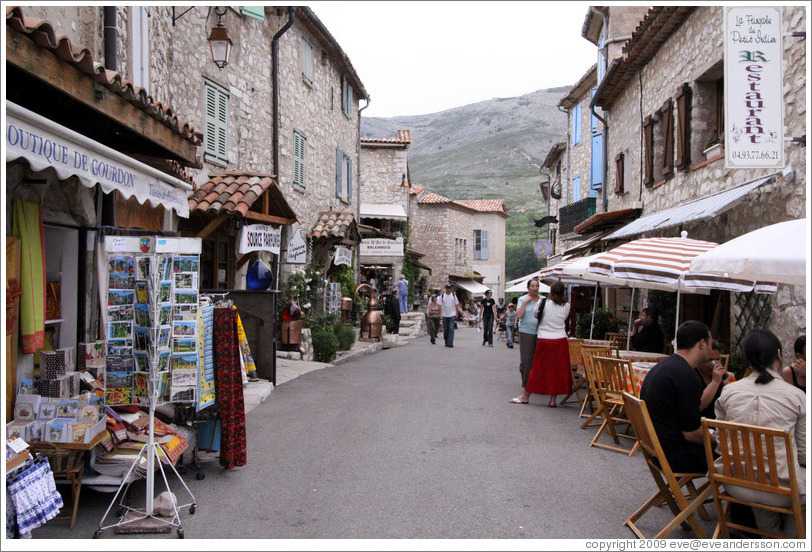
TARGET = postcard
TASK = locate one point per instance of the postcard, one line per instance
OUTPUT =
(141, 361)
(47, 411)
(185, 280)
(116, 396)
(185, 264)
(88, 414)
(165, 292)
(185, 297)
(184, 378)
(184, 362)
(124, 313)
(141, 294)
(165, 267)
(120, 263)
(142, 338)
(182, 394)
(120, 363)
(26, 387)
(142, 271)
(165, 316)
(163, 361)
(117, 297)
(184, 345)
(119, 330)
(67, 408)
(25, 412)
(185, 312)
(142, 315)
(120, 280)
(184, 329)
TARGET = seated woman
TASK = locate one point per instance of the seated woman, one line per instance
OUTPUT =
(796, 372)
(764, 399)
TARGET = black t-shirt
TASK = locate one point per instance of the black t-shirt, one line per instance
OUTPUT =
(649, 339)
(487, 306)
(500, 310)
(672, 391)
(710, 411)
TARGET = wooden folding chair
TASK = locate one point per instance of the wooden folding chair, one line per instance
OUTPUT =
(617, 339)
(586, 361)
(748, 459)
(669, 483)
(614, 377)
(578, 378)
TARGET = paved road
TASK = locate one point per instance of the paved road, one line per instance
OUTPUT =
(413, 442)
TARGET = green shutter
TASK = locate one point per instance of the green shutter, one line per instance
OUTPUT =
(257, 12)
(307, 60)
(349, 179)
(216, 139)
(339, 167)
(210, 141)
(299, 151)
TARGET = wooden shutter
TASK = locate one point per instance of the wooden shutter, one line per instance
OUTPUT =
(648, 151)
(667, 118)
(299, 154)
(683, 159)
(596, 180)
(619, 173)
(216, 140)
(339, 170)
(349, 179)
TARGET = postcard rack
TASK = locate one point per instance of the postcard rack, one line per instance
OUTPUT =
(167, 351)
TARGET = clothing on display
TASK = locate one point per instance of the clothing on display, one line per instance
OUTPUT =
(230, 403)
(33, 494)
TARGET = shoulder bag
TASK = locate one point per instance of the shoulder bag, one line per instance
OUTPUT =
(540, 313)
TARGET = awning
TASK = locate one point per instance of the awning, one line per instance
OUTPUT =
(607, 221)
(694, 211)
(583, 248)
(46, 144)
(390, 211)
(474, 287)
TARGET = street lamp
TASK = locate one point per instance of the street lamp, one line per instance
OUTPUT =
(219, 42)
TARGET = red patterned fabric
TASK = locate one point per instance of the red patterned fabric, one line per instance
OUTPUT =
(228, 384)
(551, 372)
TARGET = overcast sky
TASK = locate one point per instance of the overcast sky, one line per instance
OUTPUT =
(422, 57)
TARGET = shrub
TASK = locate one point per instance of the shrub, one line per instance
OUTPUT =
(389, 323)
(345, 335)
(321, 322)
(325, 345)
(605, 321)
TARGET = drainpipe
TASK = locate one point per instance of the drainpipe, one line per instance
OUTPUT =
(566, 182)
(358, 194)
(275, 83)
(605, 168)
(110, 61)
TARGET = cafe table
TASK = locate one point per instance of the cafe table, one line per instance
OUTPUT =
(642, 368)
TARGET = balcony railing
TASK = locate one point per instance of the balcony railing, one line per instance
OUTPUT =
(573, 214)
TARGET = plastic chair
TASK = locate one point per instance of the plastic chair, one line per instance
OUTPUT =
(670, 484)
(748, 459)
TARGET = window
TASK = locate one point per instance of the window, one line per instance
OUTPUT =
(576, 189)
(140, 46)
(346, 96)
(683, 127)
(307, 61)
(481, 245)
(343, 176)
(299, 155)
(596, 152)
(619, 172)
(576, 125)
(216, 145)
(215, 263)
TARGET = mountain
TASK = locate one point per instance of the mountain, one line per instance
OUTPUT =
(487, 150)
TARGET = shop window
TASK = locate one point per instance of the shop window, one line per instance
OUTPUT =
(683, 128)
(343, 176)
(307, 61)
(346, 97)
(216, 145)
(299, 156)
(480, 245)
(215, 264)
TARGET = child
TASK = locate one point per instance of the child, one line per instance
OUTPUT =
(510, 322)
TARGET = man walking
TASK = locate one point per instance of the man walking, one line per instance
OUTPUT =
(402, 285)
(450, 307)
(488, 305)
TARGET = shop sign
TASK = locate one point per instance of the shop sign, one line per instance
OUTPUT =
(45, 144)
(542, 249)
(382, 247)
(296, 250)
(260, 237)
(343, 256)
(754, 96)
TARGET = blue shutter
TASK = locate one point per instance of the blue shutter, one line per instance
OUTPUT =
(576, 125)
(349, 179)
(576, 189)
(257, 12)
(593, 121)
(597, 161)
(601, 59)
(483, 253)
(339, 167)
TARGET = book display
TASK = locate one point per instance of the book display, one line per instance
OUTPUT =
(152, 353)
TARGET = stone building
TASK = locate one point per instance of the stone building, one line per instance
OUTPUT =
(663, 101)
(451, 233)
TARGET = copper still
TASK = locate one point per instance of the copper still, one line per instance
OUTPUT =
(371, 323)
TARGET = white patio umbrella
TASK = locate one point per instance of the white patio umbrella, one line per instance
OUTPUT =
(521, 286)
(776, 253)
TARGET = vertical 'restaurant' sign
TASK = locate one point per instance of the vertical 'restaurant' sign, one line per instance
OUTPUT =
(754, 91)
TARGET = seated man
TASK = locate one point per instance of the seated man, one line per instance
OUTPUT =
(647, 335)
(713, 375)
(672, 391)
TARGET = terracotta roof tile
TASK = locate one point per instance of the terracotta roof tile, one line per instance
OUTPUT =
(403, 137)
(431, 197)
(335, 224)
(43, 33)
(485, 205)
(236, 191)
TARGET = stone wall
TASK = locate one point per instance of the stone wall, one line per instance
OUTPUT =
(382, 170)
(493, 268)
(435, 227)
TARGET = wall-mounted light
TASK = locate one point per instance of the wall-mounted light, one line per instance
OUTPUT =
(219, 42)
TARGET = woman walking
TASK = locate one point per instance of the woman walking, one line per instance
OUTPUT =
(433, 314)
(551, 371)
(527, 331)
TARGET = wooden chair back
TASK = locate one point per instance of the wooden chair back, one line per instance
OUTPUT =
(575, 351)
(587, 353)
(617, 376)
(618, 339)
(749, 458)
(668, 482)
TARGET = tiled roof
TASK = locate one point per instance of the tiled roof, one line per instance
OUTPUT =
(403, 137)
(553, 155)
(335, 224)
(485, 205)
(44, 35)
(417, 190)
(236, 191)
(580, 88)
(431, 197)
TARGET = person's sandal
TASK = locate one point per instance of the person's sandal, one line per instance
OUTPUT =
(517, 400)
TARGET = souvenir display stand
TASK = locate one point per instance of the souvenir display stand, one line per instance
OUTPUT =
(163, 276)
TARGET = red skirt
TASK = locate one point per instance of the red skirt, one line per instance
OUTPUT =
(551, 373)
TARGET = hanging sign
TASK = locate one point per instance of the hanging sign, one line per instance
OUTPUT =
(260, 237)
(542, 249)
(296, 250)
(343, 256)
(754, 95)
(382, 247)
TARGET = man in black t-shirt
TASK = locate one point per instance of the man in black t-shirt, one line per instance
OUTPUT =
(672, 391)
(487, 318)
(647, 335)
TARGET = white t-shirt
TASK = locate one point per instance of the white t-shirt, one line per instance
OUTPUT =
(449, 302)
(552, 325)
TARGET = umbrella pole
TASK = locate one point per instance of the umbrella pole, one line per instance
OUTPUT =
(631, 312)
(594, 304)
(676, 322)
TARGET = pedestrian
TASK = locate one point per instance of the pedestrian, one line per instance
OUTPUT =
(450, 309)
(373, 282)
(402, 285)
(488, 318)
(433, 314)
(527, 327)
(392, 309)
(796, 372)
(509, 321)
(551, 373)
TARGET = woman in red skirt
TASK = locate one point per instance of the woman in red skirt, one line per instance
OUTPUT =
(551, 371)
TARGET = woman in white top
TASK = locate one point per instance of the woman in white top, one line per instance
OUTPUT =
(551, 370)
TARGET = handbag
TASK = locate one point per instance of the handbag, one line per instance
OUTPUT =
(540, 313)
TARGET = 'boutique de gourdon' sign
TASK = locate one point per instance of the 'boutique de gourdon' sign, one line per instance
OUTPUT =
(754, 92)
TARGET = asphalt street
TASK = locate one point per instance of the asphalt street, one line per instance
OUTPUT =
(414, 442)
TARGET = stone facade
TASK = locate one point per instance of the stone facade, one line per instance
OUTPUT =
(492, 268)
(384, 166)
